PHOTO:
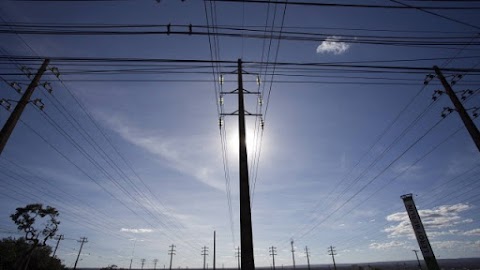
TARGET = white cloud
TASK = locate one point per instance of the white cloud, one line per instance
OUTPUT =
(333, 45)
(455, 244)
(387, 245)
(136, 230)
(475, 232)
(435, 220)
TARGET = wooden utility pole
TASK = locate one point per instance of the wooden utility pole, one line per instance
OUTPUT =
(237, 254)
(82, 241)
(273, 253)
(204, 254)
(143, 262)
(472, 129)
(155, 261)
(214, 246)
(418, 260)
(246, 235)
(60, 237)
(171, 253)
(331, 251)
(308, 257)
(20, 107)
(293, 253)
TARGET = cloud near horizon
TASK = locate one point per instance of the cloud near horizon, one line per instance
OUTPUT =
(136, 230)
(436, 220)
(333, 44)
(387, 245)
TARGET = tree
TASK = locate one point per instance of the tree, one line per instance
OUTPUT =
(26, 219)
(12, 250)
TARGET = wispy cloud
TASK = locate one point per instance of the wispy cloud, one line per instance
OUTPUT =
(333, 44)
(136, 230)
(183, 154)
(387, 245)
(436, 219)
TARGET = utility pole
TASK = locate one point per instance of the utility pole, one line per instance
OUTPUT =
(246, 234)
(331, 252)
(155, 261)
(133, 252)
(204, 254)
(171, 253)
(293, 253)
(246, 241)
(214, 246)
(420, 234)
(418, 260)
(60, 237)
(467, 121)
(308, 257)
(82, 241)
(20, 107)
(273, 253)
(143, 262)
(237, 254)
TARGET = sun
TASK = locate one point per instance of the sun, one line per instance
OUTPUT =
(252, 140)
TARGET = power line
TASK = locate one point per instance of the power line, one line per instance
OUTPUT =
(317, 4)
(423, 9)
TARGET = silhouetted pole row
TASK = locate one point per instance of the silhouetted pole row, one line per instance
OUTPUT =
(472, 129)
(82, 241)
(11, 122)
(331, 251)
(171, 252)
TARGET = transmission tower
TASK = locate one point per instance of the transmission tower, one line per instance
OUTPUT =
(248, 262)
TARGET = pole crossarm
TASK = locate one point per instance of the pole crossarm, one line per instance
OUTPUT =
(246, 92)
(236, 113)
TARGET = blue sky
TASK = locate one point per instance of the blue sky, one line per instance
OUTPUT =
(325, 175)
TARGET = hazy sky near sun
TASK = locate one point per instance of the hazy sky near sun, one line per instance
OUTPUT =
(329, 170)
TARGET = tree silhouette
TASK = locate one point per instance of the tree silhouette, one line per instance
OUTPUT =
(12, 251)
(27, 219)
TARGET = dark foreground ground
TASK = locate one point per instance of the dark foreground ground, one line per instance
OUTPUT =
(445, 264)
